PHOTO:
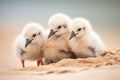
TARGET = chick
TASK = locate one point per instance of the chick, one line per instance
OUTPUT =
(56, 45)
(28, 45)
(83, 41)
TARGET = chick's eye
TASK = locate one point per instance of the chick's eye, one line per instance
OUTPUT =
(39, 33)
(33, 35)
(64, 26)
(59, 27)
(79, 29)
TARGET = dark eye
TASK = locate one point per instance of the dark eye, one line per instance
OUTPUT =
(59, 27)
(64, 26)
(83, 28)
(33, 35)
(39, 33)
(79, 29)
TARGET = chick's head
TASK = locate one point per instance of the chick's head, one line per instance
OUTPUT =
(59, 24)
(33, 33)
(79, 27)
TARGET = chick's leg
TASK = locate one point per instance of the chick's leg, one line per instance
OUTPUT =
(22, 61)
(39, 61)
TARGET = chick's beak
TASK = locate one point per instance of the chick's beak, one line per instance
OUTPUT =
(27, 42)
(72, 35)
(51, 33)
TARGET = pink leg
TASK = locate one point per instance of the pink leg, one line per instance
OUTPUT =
(22, 61)
(42, 62)
(39, 61)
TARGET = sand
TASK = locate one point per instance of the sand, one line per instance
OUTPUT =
(105, 67)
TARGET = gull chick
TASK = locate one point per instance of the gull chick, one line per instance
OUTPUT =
(28, 45)
(56, 45)
(83, 41)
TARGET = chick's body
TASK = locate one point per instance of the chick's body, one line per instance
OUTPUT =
(32, 52)
(85, 43)
(87, 46)
(28, 45)
(56, 45)
(56, 49)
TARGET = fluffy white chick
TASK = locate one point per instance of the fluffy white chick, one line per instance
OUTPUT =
(28, 45)
(56, 45)
(83, 41)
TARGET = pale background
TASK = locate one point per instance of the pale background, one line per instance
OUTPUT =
(104, 15)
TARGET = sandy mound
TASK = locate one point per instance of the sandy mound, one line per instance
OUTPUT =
(109, 58)
(72, 65)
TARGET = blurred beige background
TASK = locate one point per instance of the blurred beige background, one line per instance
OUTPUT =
(104, 16)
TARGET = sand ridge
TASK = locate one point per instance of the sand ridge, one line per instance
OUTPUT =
(110, 58)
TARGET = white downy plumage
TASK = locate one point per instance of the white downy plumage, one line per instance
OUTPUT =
(28, 45)
(56, 46)
(84, 42)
